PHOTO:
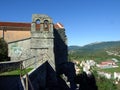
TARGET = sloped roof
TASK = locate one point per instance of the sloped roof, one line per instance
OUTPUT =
(15, 24)
(107, 62)
(24, 26)
(58, 26)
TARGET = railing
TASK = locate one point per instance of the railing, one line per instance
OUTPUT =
(23, 65)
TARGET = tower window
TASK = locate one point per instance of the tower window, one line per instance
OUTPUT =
(46, 25)
(37, 21)
(37, 24)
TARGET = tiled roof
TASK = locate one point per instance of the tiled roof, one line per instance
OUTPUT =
(107, 62)
(58, 26)
(15, 24)
(23, 26)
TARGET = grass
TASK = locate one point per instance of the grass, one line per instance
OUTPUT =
(111, 70)
(16, 72)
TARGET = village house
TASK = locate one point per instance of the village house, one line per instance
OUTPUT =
(107, 64)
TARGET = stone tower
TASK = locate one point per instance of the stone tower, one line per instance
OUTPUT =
(42, 38)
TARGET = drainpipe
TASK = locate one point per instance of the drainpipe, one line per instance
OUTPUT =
(3, 28)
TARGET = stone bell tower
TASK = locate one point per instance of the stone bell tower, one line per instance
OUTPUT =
(42, 38)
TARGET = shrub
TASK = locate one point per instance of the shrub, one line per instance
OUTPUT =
(3, 50)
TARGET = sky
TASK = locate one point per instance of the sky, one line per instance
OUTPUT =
(85, 21)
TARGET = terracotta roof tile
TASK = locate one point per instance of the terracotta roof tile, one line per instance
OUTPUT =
(58, 26)
(15, 24)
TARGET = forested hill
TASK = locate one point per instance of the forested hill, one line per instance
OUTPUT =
(95, 47)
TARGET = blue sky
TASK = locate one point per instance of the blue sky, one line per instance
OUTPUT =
(85, 21)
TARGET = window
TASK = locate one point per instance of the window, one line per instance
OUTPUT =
(46, 25)
(37, 24)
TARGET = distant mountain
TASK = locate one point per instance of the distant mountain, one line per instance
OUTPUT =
(95, 47)
(74, 47)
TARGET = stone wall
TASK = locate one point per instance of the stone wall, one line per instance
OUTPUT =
(60, 47)
(14, 35)
(19, 50)
(9, 66)
(42, 38)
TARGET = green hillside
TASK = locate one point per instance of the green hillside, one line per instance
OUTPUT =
(95, 51)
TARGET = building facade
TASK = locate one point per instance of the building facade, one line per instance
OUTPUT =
(40, 37)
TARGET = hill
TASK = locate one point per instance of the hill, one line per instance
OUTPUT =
(74, 47)
(99, 50)
(97, 46)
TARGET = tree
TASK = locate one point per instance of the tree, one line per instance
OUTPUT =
(3, 50)
(105, 84)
